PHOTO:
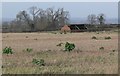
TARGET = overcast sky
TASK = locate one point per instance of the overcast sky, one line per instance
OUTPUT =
(76, 9)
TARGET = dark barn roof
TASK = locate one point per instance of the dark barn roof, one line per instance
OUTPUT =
(78, 27)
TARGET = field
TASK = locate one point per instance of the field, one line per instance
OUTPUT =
(90, 56)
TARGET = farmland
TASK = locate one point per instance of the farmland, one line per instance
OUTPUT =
(94, 53)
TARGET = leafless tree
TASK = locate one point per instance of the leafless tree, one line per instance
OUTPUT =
(101, 18)
(28, 17)
(58, 17)
(92, 19)
(39, 19)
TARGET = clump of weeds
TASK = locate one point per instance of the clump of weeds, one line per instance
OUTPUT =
(39, 62)
(7, 50)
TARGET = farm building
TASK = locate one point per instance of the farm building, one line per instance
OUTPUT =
(78, 27)
(89, 27)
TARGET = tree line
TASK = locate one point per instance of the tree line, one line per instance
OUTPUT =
(37, 19)
(93, 19)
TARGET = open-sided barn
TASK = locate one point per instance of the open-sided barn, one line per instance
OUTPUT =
(78, 27)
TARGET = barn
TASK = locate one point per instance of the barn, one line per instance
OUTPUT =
(78, 27)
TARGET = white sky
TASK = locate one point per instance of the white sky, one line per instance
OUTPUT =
(76, 9)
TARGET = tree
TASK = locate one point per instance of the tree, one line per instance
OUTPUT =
(57, 18)
(101, 18)
(5, 26)
(92, 19)
(39, 19)
(30, 19)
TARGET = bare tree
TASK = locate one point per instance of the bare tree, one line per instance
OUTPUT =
(34, 11)
(39, 19)
(101, 18)
(58, 17)
(92, 19)
(30, 19)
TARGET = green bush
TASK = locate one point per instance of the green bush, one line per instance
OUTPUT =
(38, 62)
(108, 37)
(7, 50)
(69, 46)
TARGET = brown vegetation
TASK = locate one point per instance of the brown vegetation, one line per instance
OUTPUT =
(65, 28)
(86, 58)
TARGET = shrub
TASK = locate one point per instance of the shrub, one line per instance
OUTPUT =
(26, 36)
(69, 46)
(113, 50)
(2, 66)
(29, 49)
(35, 39)
(7, 50)
(38, 62)
(94, 37)
(60, 44)
(108, 37)
(60, 32)
(101, 48)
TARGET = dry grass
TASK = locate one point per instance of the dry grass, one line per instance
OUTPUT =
(85, 59)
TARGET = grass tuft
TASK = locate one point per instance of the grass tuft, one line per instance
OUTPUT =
(108, 37)
(94, 37)
(60, 44)
(38, 62)
(28, 49)
(101, 48)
